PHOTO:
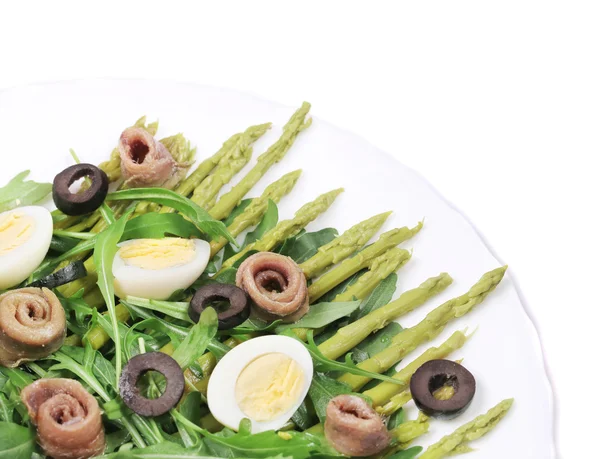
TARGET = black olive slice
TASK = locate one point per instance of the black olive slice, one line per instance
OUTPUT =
(85, 201)
(237, 312)
(151, 361)
(74, 271)
(435, 374)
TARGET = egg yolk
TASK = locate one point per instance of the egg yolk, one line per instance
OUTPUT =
(15, 230)
(269, 386)
(158, 254)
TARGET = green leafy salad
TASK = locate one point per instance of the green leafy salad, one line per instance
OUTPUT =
(151, 315)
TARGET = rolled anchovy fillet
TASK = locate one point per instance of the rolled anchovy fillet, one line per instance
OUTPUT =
(144, 161)
(32, 325)
(276, 286)
(67, 418)
(354, 428)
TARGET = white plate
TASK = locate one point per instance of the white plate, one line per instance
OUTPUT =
(40, 123)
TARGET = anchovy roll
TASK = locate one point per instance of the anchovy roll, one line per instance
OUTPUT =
(144, 160)
(276, 286)
(67, 418)
(354, 428)
(32, 325)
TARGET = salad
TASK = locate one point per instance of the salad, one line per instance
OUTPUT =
(152, 316)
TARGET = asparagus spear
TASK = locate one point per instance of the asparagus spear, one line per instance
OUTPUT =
(379, 268)
(253, 213)
(288, 228)
(431, 326)
(381, 393)
(274, 154)
(457, 442)
(343, 246)
(205, 167)
(205, 194)
(350, 266)
(409, 431)
(351, 335)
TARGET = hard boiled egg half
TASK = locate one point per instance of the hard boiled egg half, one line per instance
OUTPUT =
(25, 235)
(263, 379)
(157, 268)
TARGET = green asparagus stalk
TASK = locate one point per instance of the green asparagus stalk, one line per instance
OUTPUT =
(360, 261)
(252, 214)
(274, 154)
(379, 268)
(382, 393)
(288, 228)
(205, 195)
(395, 403)
(97, 337)
(353, 334)
(457, 442)
(430, 327)
(186, 188)
(409, 431)
(343, 246)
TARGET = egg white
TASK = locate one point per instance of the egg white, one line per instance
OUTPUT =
(221, 385)
(159, 284)
(19, 263)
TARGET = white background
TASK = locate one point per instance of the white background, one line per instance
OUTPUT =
(497, 104)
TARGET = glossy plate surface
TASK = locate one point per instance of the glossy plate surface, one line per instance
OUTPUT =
(40, 123)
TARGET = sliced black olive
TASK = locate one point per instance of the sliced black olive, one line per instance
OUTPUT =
(74, 271)
(435, 374)
(133, 371)
(237, 300)
(85, 201)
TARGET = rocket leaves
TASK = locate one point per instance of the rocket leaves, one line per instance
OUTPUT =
(200, 217)
(16, 442)
(19, 192)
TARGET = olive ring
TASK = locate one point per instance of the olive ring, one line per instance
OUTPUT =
(85, 201)
(237, 312)
(435, 374)
(133, 371)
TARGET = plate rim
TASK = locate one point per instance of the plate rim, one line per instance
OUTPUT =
(550, 387)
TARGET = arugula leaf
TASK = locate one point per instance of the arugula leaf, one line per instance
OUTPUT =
(164, 450)
(252, 325)
(200, 217)
(19, 193)
(303, 246)
(176, 309)
(270, 444)
(104, 254)
(323, 314)
(324, 364)
(195, 343)
(379, 297)
(7, 409)
(16, 442)
(397, 418)
(268, 222)
(18, 378)
(305, 415)
(156, 226)
(322, 390)
(175, 332)
(410, 453)
(66, 362)
(193, 407)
